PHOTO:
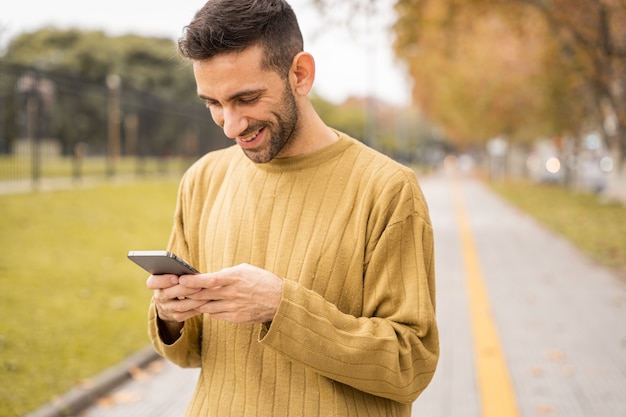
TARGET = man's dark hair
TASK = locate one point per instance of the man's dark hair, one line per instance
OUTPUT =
(224, 26)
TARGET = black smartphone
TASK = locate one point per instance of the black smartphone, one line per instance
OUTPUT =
(160, 262)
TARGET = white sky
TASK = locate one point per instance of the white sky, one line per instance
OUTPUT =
(350, 62)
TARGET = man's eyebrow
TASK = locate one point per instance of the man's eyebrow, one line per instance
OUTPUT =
(237, 95)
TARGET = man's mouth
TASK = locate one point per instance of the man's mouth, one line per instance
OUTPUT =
(250, 138)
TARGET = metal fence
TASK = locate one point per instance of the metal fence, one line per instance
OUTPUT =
(63, 128)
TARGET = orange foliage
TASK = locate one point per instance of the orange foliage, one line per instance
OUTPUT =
(520, 68)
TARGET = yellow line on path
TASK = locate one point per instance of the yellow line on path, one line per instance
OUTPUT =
(494, 382)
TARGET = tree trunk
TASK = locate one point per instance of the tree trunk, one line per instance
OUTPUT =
(616, 186)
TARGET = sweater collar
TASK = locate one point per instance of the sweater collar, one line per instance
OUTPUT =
(296, 163)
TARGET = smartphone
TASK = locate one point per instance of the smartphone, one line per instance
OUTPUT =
(160, 262)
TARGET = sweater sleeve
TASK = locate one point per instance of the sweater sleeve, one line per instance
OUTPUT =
(186, 351)
(392, 350)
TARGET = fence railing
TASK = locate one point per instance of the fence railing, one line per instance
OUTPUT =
(64, 127)
(20, 174)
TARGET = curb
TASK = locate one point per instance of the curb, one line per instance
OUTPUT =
(79, 398)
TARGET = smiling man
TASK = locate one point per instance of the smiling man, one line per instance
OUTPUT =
(317, 296)
(258, 108)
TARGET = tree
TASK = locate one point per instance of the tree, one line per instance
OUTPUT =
(554, 68)
(522, 68)
(479, 73)
(158, 97)
(593, 33)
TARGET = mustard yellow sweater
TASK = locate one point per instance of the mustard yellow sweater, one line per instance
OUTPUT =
(355, 333)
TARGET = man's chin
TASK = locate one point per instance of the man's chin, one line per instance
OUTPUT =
(258, 157)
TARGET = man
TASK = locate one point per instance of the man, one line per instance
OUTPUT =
(318, 297)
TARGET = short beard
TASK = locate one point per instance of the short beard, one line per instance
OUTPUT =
(286, 128)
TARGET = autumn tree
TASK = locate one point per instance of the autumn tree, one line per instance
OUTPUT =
(593, 34)
(522, 68)
(482, 72)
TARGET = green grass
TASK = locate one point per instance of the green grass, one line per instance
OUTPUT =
(71, 304)
(598, 228)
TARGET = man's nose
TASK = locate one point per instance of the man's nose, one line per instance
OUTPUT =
(233, 123)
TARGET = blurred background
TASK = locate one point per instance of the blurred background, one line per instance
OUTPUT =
(527, 95)
(523, 88)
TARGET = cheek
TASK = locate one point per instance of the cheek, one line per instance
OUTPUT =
(217, 116)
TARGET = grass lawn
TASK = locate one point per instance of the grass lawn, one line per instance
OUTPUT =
(596, 227)
(71, 303)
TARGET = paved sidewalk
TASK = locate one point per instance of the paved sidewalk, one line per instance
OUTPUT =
(22, 186)
(161, 390)
(561, 320)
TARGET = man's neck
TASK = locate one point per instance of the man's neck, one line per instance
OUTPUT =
(314, 134)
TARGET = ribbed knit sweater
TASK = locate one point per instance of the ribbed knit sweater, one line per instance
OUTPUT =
(349, 232)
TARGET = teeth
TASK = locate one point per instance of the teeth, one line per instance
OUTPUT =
(251, 138)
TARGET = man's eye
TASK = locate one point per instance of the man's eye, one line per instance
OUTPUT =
(248, 100)
(210, 103)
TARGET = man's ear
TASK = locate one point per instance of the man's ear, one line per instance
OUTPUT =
(302, 73)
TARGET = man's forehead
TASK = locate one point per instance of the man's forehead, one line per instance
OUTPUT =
(225, 76)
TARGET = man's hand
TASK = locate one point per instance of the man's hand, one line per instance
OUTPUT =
(171, 298)
(239, 294)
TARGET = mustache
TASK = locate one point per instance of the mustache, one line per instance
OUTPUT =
(253, 128)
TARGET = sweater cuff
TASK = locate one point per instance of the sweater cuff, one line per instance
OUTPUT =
(266, 334)
(160, 346)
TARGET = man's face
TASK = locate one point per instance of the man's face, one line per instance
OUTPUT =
(254, 106)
